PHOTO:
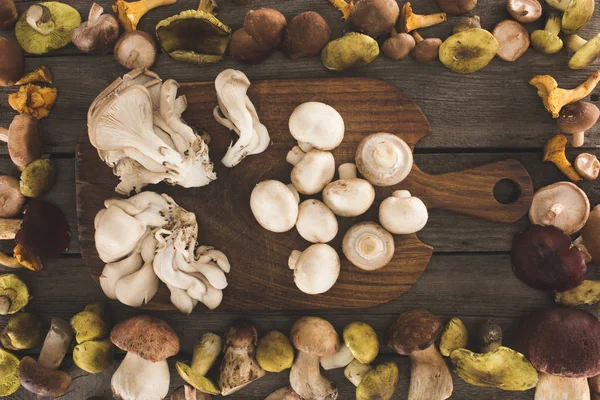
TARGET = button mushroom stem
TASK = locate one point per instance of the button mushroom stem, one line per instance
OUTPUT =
(347, 171)
(554, 211)
(133, 56)
(574, 42)
(39, 18)
(294, 155)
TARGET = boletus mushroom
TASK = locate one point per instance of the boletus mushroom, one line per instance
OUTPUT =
(42, 377)
(130, 13)
(457, 7)
(316, 222)
(524, 11)
(590, 235)
(587, 165)
(46, 26)
(547, 40)
(8, 16)
(513, 40)
(194, 36)
(373, 17)
(561, 204)
(576, 118)
(135, 49)
(402, 213)
(312, 170)
(409, 21)
(144, 372)
(585, 51)
(259, 37)
(204, 357)
(349, 196)
(9, 373)
(98, 34)
(353, 50)
(12, 61)
(368, 246)
(426, 50)
(384, 159)
(12, 202)
(564, 346)
(316, 125)
(274, 205)
(23, 331)
(413, 334)
(274, 352)
(94, 350)
(313, 337)
(454, 336)
(398, 46)
(316, 269)
(239, 367)
(23, 139)
(468, 51)
(284, 393)
(554, 152)
(306, 35)
(544, 258)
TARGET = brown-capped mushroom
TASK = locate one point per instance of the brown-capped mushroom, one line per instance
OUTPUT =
(398, 46)
(513, 40)
(135, 49)
(590, 235)
(594, 387)
(23, 139)
(368, 246)
(8, 14)
(587, 165)
(457, 7)
(524, 11)
(306, 35)
(12, 61)
(413, 334)
(259, 37)
(373, 17)
(12, 202)
(426, 50)
(464, 23)
(576, 118)
(490, 336)
(98, 34)
(561, 204)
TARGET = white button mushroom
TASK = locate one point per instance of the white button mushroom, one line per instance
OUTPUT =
(274, 205)
(563, 205)
(368, 246)
(312, 171)
(317, 125)
(402, 213)
(316, 269)
(316, 222)
(349, 196)
(384, 159)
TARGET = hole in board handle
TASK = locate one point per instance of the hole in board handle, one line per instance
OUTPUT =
(507, 191)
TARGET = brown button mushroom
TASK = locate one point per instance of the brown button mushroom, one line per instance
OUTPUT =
(544, 258)
(413, 334)
(259, 37)
(11, 62)
(590, 235)
(524, 11)
(24, 140)
(373, 17)
(513, 40)
(8, 14)
(306, 35)
(12, 202)
(561, 204)
(576, 118)
(564, 345)
(398, 46)
(144, 372)
(135, 49)
(457, 7)
(285, 393)
(587, 165)
(313, 337)
(426, 50)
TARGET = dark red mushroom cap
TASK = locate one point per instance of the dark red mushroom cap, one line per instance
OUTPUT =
(413, 330)
(149, 338)
(562, 341)
(544, 258)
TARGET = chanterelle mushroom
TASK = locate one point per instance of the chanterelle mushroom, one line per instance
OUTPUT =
(384, 159)
(313, 337)
(576, 118)
(561, 204)
(144, 372)
(316, 222)
(408, 21)
(554, 152)
(368, 246)
(349, 196)
(564, 346)
(402, 213)
(312, 171)
(316, 269)
(130, 13)
(413, 333)
(23, 139)
(316, 125)
(274, 205)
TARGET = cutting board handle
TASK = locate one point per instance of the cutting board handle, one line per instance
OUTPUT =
(471, 191)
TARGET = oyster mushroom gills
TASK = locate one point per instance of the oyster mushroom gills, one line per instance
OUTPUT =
(135, 49)
(12, 63)
(98, 34)
(204, 357)
(349, 196)
(316, 269)
(306, 35)
(141, 149)
(259, 37)
(368, 246)
(148, 239)
(194, 36)
(561, 204)
(144, 372)
(384, 159)
(373, 17)
(236, 112)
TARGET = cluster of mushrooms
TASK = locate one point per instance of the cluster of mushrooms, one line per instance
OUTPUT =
(383, 159)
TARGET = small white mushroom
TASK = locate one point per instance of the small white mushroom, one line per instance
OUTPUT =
(274, 205)
(402, 213)
(340, 359)
(349, 196)
(316, 269)
(317, 125)
(316, 222)
(368, 246)
(562, 204)
(312, 171)
(384, 159)
(587, 165)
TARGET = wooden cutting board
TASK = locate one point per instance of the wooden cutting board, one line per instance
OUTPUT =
(260, 278)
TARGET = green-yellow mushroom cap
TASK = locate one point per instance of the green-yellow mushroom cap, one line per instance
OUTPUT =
(362, 341)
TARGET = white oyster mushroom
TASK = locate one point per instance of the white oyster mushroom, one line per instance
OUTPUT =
(402, 213)
(137, 288)
(205, 254)
(384, 159)
(316, 125)
(117, 234)
(349, 196)
(368, 246)
(312, 171)
(274, 205)
(316, 269)
(113, 272)
(316, 222)
(236, 112)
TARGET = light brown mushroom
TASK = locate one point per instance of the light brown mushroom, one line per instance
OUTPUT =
(464, 23)
(561, 204)
(349, 196)
(524, 11)
(98, 34)
(11, 62)
(135, 49)
(12, 202)
(590, 236)
(398, 46)
(457, 7)
(186, 392)
(8, 14)
(426, 50)
(368, 246)
(576, 118)
(513, 40)
(587, 165)
(23, 139)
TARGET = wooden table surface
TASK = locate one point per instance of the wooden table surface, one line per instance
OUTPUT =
(487, 116)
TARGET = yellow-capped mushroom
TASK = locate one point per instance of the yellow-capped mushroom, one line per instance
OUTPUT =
(362, 341)
(205, 354)
(14, 294)
(468, 51)
(274, 352)
(454, 336)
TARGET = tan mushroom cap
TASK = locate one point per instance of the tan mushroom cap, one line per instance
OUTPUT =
(314, 335)
(149, 338)
(12, 202)
(398, 46)
(524, 11)
(24, 140)
(135, 49)
(561, 204)
(368, 246)
(41, 381)
(384, 159)
(513, 40)
(12, 61)
(587, 165)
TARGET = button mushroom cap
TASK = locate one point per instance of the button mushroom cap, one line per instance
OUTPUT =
(312, 171)
(524, 11)
(135, 49)
(513, 40)
(316, 222)
(316, 269)
(402, 213)
(561, 204)
(24, 140)
(576, 118)
(457, 7)
(12, 62)
(368, 246)
(384, 159)
(426, 50)
(8, 16)
(564, 345)
(12, 202)
(317, 125)
(274, 205)
(306, 35)
(590, 234)
(544, 258)
(349, 196)
(398, 46)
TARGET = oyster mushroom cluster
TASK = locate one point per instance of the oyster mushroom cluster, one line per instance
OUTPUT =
(136, 125)
(148, 239)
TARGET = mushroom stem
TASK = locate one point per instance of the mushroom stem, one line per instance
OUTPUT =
(306, 378)
(347, 171)
(369, 246)
(554, 211)
(552, 387)
(294, 155)
(401, 194)
(206, 353)
(418, 38)
(575, 42)
(95, 13)
(5, 304)
(4, 134)
(553, 24)
(578, 139)
(57, 343)
(39, 18)
(429, 375)
(133, 56)
(293, 259)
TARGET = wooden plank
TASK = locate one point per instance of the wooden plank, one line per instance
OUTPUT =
(492, 101)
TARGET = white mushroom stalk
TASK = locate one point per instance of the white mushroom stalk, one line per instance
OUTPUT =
(136, 125)
(148, 238)
(237, 113)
